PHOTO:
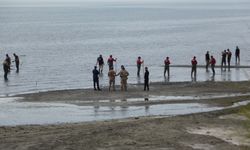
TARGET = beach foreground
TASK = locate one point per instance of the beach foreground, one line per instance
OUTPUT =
(221, 129)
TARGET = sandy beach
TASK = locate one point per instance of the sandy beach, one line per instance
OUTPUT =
(221, 129)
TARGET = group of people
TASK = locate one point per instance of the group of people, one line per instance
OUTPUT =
(210, 61)
(7, 65)
(123, 73)
(111, 74)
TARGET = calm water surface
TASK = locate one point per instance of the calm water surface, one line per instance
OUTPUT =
(58, 46)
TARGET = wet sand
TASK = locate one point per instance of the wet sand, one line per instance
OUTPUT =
(193, 131)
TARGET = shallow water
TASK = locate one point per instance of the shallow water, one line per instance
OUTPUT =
(13, 112)
(58, 46)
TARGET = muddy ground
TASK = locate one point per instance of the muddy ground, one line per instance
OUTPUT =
(224, 129)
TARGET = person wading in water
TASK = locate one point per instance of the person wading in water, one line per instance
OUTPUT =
(194, 67)
(146, 79)
(17, 62)
(139, 62)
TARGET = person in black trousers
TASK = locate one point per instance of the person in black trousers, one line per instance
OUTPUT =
(5, 69)
(96, 78)
(146, 79)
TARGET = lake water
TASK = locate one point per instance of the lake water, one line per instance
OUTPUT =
(58, 45)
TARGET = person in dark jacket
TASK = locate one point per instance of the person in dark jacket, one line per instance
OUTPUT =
(229, 55)
(100, 62)
(96, 78)
(5, 69)
(8, 60)
(237, 55)
(146, 79)
(207, 58)
(17, 62)
(213, 62)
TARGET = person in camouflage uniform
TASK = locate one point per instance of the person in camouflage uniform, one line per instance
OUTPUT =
(124, 77)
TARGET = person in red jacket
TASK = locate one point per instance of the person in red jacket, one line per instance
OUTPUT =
(138, 63)
(167, 63)
(111, 61)
(194, 67)
(213, 62)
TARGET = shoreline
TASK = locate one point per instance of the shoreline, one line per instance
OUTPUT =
(188, 131)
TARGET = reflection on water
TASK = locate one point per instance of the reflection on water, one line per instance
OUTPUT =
(13, 112)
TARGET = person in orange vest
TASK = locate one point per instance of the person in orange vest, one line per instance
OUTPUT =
(194, 67)
(166, 68)
(213, 62)
(139, 62)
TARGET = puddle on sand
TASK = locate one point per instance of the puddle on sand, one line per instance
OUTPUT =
(162, 98)
(13, 112)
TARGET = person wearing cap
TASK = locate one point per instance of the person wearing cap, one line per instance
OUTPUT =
(194, 67)
(124, 77)
(96, 78)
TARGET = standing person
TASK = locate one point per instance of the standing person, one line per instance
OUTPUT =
(166, 68)
(237, 55)
(146, 79)
(17, 62)
(100, 62)
(223, 59)
(5, 69)
(194, 67)
(213, 62)
(96, 78)
(124, 77)
(111, 61)
(111, 75)
(139, 62)
(207, 58)
(229, 55)
(8, 60)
